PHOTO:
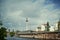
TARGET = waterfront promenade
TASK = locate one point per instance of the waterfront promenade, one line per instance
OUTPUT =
(41, 35)
(35, 36)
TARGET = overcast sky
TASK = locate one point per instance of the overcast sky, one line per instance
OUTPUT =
(14, 13)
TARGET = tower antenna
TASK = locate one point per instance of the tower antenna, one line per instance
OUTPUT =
(26, 23)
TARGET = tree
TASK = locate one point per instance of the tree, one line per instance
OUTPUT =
(3, 33)
(48, 26)
(12, 34)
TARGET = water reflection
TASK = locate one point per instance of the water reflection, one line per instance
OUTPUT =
(15, 38)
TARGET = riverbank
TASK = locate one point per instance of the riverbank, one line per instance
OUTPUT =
(41, 35)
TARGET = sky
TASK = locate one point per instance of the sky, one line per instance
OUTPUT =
(13, 13)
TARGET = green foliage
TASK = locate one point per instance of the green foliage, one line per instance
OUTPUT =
(39, 27)
(48, 26)
(12, 34)
(3, 33)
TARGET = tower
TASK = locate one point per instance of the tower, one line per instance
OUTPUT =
(26, 23)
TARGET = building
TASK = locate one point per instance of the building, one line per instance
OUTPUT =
(52, 28)
(56, 27)
(44, 27)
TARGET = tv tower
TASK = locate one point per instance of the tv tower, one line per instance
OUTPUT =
(27, 24)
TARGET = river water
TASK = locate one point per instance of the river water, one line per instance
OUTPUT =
(15, 38)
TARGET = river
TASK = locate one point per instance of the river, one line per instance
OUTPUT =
(16, 38)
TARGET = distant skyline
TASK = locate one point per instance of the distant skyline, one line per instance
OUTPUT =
(14, 13)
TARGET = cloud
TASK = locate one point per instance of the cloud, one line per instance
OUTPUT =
(16, 11)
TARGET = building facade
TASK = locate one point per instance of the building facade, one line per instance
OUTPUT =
(44, 27)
